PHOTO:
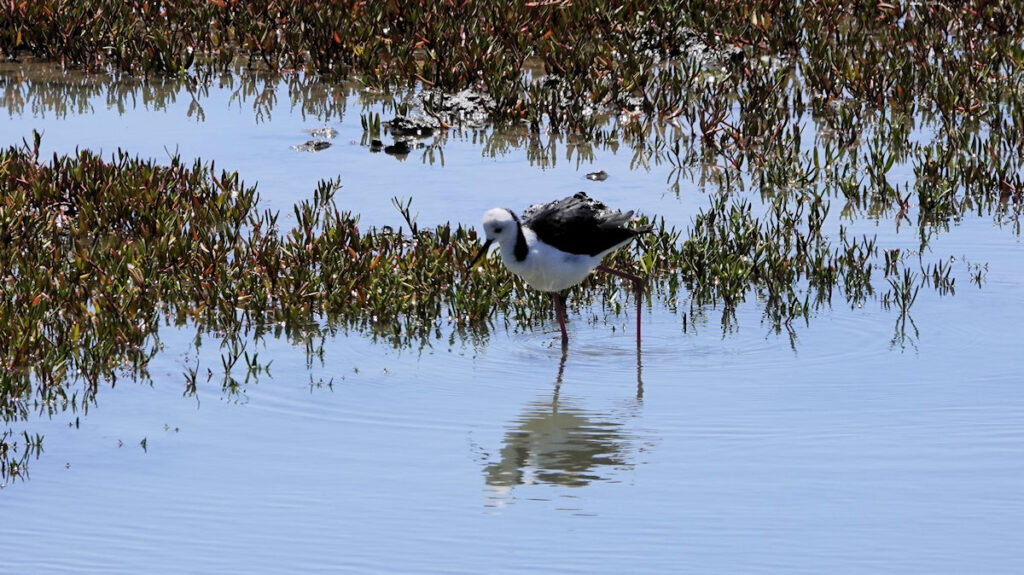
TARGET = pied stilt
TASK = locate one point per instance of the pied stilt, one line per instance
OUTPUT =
(555, 246)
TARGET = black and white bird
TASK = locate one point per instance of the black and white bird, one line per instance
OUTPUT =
(555, 246)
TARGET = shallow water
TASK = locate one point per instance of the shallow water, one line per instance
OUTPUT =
(846, 449)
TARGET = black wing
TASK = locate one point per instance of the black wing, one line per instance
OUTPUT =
(580, 225)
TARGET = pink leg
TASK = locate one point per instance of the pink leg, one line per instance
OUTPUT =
(560, 312)
(638, 284)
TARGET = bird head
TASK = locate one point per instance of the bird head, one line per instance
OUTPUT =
(500, 225)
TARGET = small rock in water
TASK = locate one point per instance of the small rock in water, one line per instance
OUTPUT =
(323, 132)
(312, 146)
(417, 126)
(598, 176)
(466, 108)
(399, 148)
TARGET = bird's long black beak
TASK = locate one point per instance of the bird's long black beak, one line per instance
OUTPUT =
(480, 254)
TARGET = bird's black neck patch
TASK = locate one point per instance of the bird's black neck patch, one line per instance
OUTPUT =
(521, 248)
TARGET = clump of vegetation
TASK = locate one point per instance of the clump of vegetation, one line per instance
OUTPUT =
(943, 56)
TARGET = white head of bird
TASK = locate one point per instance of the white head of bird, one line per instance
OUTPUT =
(502, 226)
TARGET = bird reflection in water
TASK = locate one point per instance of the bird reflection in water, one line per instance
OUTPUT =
(554, 442)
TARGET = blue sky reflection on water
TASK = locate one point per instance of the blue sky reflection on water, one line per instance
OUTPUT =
(715, 453)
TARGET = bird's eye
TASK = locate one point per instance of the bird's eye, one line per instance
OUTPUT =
(497, 230)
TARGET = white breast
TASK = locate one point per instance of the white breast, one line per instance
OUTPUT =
(547, 269)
